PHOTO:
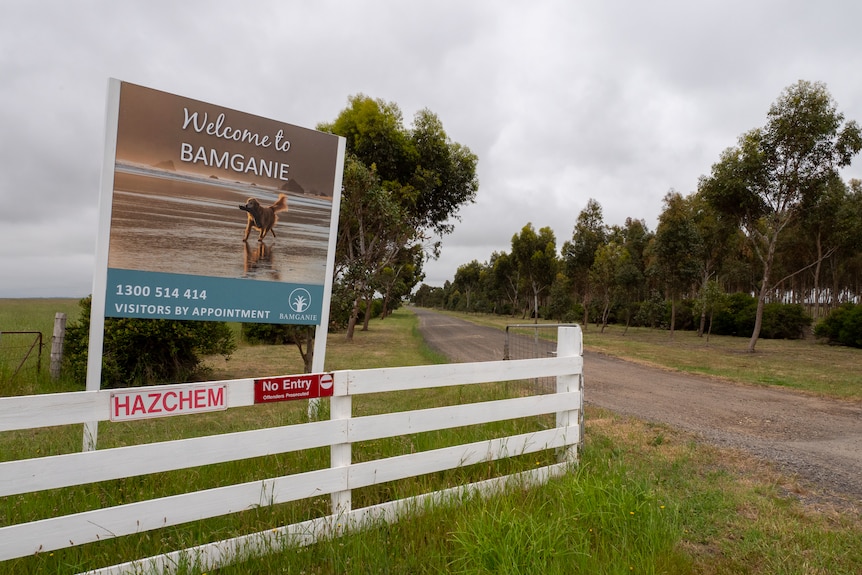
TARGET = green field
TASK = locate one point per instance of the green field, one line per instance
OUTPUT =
(645, 499)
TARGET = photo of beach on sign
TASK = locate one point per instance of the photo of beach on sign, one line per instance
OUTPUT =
(167, 222)
(183, 170)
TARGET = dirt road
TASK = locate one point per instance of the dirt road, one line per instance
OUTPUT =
(817, 439)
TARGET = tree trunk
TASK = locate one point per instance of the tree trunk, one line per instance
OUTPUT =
(354, 316)
(816, 313)
(368, 301)
(709, 331)
(672, 314)
(535, 305)
(758, 320)
(307, 353)
(586, 311)
(385, 311)
(703, 284)
(761, 297)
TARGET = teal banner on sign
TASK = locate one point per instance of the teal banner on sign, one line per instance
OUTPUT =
(141, 294)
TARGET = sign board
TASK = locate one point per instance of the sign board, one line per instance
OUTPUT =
(215, 214)
(164, 401)
(208, 213)
(291, 387)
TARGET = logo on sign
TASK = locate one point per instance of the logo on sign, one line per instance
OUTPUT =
(299, 300)
(326, 381)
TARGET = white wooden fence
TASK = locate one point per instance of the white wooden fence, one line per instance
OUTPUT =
(32, 475)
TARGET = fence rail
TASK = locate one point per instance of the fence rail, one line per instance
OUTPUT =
(342, 430)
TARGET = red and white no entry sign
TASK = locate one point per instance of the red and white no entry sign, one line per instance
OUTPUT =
(290, 387)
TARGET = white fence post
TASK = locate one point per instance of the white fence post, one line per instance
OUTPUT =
(341, 407)
(570, 342)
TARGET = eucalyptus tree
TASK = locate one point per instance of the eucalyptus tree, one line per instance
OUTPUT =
(579, 253)
(607, 275)
(467, 279)
(677, 250)
(776, 169)
(710, 300)
(535, 254)
(811, 241)
(835, 225)
(847, 268)
(506, 278)
(632, 277)
(432, 176)
(396, 280)
(417, 178)
(372, 231)
(718, 237)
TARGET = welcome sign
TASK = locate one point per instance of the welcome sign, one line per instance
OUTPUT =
(215, 214)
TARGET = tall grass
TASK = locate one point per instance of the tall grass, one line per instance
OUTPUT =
(645, 498)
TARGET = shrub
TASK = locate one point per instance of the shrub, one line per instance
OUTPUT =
(842, 326)
(302, 336)
(685, 317)
(784, 321)
(652, 312)
(146, 351)
(269, 333)
(340, 307)
(780, 321)
(736, 317)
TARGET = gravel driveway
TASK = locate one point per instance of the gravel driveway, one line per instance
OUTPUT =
(819, 440)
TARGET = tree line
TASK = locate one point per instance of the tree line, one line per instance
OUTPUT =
(772, 229)
(772, 222)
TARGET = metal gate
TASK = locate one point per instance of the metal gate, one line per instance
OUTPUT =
(532, 341)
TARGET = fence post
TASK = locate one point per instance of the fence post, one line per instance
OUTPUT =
(57, 344)
(570, 343)
(341, 407)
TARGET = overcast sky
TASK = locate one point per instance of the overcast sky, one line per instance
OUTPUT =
(561, 100)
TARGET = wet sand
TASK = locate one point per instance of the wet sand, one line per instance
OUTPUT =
(169, 223)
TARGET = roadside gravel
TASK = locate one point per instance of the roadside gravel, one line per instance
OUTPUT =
(816, 440)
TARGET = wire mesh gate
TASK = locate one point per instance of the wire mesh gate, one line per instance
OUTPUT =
(533, 340)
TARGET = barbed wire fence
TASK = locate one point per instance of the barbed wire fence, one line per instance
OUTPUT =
(20, 353)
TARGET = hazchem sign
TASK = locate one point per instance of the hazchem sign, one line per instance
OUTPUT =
(290, 387)
(163, 401)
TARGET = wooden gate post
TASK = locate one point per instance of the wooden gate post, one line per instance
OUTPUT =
(57, 344)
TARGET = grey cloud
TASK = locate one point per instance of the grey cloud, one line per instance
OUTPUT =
(561, 101)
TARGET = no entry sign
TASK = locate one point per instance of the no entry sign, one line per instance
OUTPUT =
(290, 387)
